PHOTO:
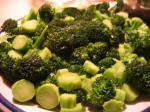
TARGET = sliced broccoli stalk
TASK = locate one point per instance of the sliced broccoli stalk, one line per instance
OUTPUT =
(108, 23)
(30, 26)
(86, 84)
(120, 95)
(77, 108)
(116, 73)
(90, 67)
(23, 90)
(45, 54)
(131, 93)
(67, 100)
(31, 15)
(69, 81)
(47, 96)
(40, 38)
(69, 19)
(61, 71)
(14, 54)
(22, 43)
(113, 106)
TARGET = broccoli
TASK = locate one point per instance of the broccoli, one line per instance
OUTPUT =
(106, 62)
(103, 7)
(73, 12)
(6, 65)
(5, 47)
(103, 89)
(117, 20)
(46, 12)
(113, 53)
(32, 68)
(138, 75)
(93, 51)
(10, 26)
(118, 7)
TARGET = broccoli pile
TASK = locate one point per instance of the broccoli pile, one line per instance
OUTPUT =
(66, 58)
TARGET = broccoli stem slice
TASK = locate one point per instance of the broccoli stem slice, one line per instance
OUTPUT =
(40, 38)
(23, 90)
(68, 100)
(47, 96)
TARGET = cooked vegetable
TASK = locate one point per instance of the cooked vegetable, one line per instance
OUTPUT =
(5, 47)
(14, 54)
(21, 43)
(131, 93)
(77, 108)
(23, 90)
(103, 89)
(69, 81)
(120, 95)
(113, 106)
(47, 96)
(67, 100)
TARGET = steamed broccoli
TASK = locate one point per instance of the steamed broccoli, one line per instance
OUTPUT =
(32, 68)
(5, 47)
(103, 7)
(93, 51)
(9, 26)
(113, 53)
(103, 89)
(138, 74)
(46, 12)
(6, 65)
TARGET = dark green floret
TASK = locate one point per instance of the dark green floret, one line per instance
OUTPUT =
(139, 76)
(46, 12)
(5, 47)
(103, 89)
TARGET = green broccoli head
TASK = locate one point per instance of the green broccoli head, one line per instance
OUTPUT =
(106, 62)
(5, 47)
(138, 74)
(6, 65)
(32, 68)
(117, 20)
(113, 53)
(46, 12)
(103, 90)
(103, 7)
(9, 25)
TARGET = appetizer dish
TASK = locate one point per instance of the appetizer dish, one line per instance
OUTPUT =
(70, 58)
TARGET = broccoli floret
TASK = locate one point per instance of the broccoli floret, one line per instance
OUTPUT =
(6, 65)
(9, 26)
(46, 12)
(73, 12)
(118, 7)
(32, 68)
(103, 90)
(138, 74)
(103, 7)
(117, 20)
(93, 51)
(106, 62)
(113, 53)
(5, 47)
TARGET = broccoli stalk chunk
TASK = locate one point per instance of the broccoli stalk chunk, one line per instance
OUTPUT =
(67, 100)
(131, 93)
(23, 90)
(90, 67)
(22, 43)
(116, 73)
(69, 81)
(47, 96)
(120, 95)
(113, 106)
(14, 54)
(30, 26)
(103, 89)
